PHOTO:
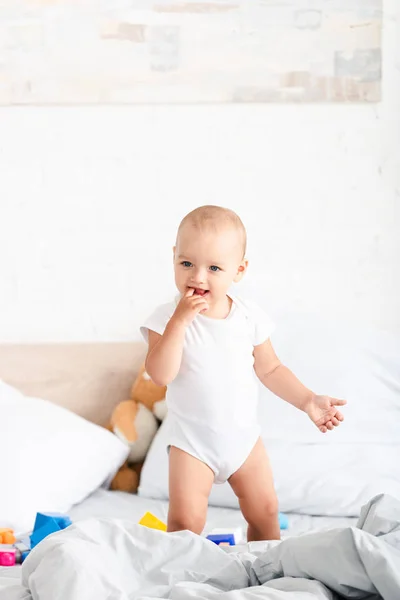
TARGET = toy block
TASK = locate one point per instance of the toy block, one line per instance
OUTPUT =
(50, 526)
(47, 523)
(222, 539)
(23, 545)
(232, 536)
(7, 536)
(237, 532)
(149, 520)
(283, 521)
(22, 549)
(7, 555)
(63, 521)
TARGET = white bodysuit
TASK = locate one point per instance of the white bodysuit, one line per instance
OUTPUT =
(212, 402)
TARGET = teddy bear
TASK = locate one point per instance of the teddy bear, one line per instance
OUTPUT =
(135, 422)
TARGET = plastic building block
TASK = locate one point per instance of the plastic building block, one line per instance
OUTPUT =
(237, 532)
(283, 521)
(222, 539)
(6, 536)
(223, 536)
(23, 545)
(22, 549)
(219, 534)
(7, 555)
(149, 520)
(47, 523)
(51, 526)
(21, 556)
(63, 521)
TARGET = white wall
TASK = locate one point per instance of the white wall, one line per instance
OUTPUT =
(90, 199)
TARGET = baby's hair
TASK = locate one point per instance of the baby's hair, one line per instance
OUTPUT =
(215, 218)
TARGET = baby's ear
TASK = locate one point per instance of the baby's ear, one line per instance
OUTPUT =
(241, 270)
(173, 252)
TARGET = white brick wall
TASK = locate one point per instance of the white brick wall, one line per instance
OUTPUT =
(90, 198)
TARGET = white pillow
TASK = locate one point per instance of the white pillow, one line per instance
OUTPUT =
(322, 474)
(50, 458)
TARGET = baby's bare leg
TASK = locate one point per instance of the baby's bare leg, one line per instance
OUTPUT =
(254, 486)
(190, 482)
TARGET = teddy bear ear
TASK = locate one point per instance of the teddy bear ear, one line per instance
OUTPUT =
(123, 419)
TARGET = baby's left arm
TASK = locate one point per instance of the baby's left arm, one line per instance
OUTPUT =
(283, 383)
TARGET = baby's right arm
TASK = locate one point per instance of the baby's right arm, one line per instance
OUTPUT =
(164, 355)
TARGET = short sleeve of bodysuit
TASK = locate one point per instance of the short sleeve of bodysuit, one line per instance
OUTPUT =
(158, 320)
(261, 324)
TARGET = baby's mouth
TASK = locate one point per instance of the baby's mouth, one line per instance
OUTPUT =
(200, 292)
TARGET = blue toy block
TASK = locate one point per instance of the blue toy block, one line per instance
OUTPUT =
(24, 555)
(47, 523)
(283, 521)
(51, 526)
(63, 521)
(222, 538)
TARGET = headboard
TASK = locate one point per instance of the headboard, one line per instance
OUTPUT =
(89, 379)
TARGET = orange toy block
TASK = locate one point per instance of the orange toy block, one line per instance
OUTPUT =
(7, 536)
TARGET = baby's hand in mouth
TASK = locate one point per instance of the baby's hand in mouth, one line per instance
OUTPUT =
(200, 292)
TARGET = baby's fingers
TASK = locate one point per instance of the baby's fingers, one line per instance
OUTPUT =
(337, 402)
(200, 305)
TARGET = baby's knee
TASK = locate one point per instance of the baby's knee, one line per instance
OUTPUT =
(188, 521)
(267, 509)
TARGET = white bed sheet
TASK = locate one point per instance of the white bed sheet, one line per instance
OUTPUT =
(104, 503)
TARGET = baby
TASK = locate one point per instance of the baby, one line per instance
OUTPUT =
(207, 346)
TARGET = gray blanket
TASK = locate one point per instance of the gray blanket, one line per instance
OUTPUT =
(114, 559)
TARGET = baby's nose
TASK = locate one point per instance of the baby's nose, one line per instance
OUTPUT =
(198, 277)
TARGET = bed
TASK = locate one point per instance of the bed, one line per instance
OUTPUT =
(89, 379)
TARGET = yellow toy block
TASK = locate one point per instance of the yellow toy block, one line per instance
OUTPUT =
(7, 536)
(149, 520)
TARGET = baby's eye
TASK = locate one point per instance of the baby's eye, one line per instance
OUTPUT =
(186, 263)
(214, 268)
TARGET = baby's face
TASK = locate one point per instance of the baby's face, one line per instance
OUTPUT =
(208, 262)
